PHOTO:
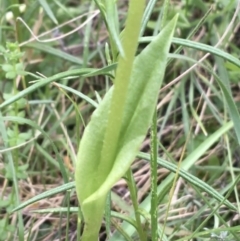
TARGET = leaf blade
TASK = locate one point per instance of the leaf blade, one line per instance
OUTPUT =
(93, 177)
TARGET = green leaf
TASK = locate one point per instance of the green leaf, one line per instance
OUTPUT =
(79, 94)
(20, 103)
(112, 22)
(232, 108)
(7, 67)
(22, 171)
(46, 194)
(231, 66)
(23, 137)
(190, 178)
(56, 52)
(147, 14)
(48, 10)
(45, 81)
(11, 75)
(94, 174)
(4, 203)
(199, 46)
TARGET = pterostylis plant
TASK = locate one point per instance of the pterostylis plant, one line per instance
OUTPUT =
(112, 138)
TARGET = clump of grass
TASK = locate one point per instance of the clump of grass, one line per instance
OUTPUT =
(183, 184)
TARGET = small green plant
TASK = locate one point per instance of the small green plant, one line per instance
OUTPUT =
(12, 67)
(119, 125)
(43, 116)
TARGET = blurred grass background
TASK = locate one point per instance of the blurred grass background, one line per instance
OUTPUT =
(33, 154)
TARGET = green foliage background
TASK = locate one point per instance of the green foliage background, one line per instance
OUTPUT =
(51, 84)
